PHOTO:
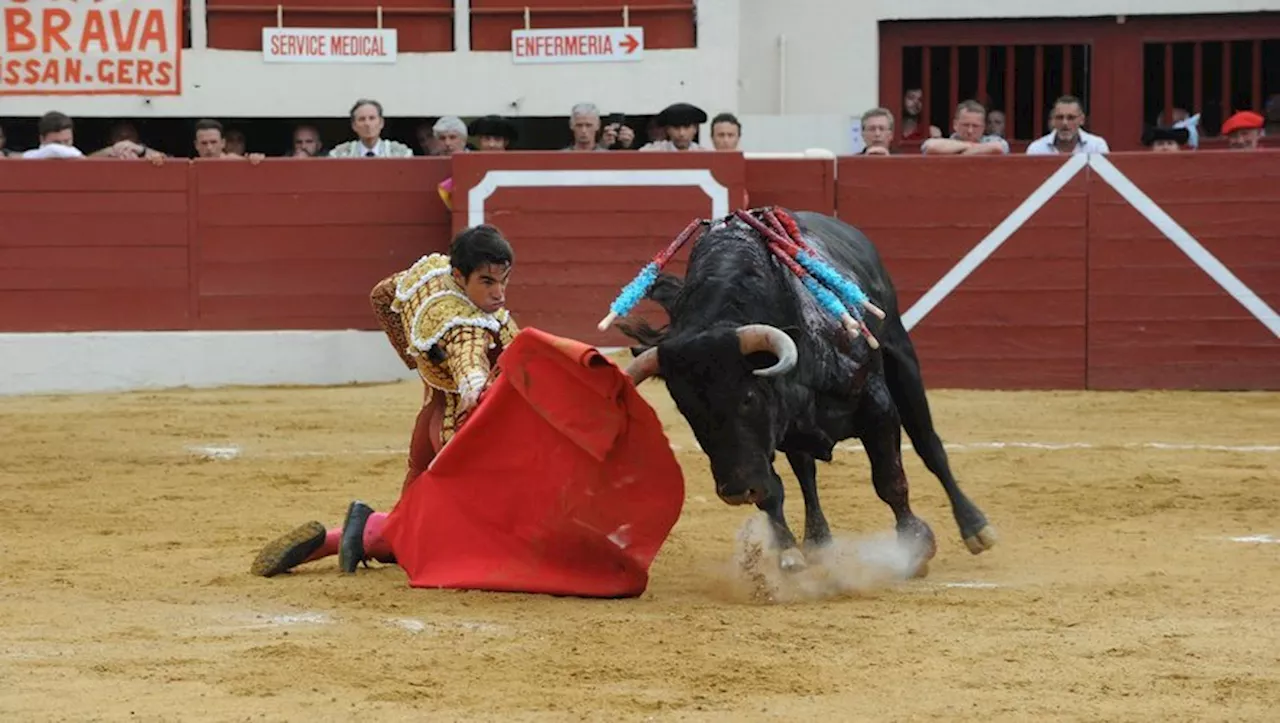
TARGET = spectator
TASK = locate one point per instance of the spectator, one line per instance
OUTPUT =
(681, 121)
(617, 135)
(367, 121)
(4, 150)
(654, 131)
(57, 137)
(1192, 125)
(1272, 109)
(1067, 135)
(912, 107)
(452, 134)
(123, 131)
(995, 123)
(494, 133)
(1177, 115)
(967, 137)
(1165, 140)
(427, 141)
(306, 141)
(584, 122)
(236, 143)
(877, 132)
(211, 143)
(726, 132)
(57, 140)
(1243, 130)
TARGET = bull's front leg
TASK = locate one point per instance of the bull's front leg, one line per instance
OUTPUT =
(817, 533)
(882, 439)
(789, 556)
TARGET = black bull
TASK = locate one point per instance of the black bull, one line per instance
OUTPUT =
(756, 366)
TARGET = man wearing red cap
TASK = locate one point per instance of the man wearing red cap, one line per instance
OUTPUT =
(1243, 130)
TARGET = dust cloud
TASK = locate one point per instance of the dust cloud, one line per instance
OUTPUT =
(848, 567)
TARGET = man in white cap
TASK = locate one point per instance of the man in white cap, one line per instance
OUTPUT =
(681, 121)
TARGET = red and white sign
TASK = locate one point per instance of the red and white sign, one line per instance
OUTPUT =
(577, 45)
(98, 47)
(328, 45)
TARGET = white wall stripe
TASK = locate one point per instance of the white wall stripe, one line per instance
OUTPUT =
(1163, 222)
(553, 178)
(233, 451)
(987, 246)
(1133, 195)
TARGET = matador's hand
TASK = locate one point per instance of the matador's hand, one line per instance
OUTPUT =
(469, 391)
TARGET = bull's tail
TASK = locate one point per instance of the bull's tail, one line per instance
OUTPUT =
(906, 386)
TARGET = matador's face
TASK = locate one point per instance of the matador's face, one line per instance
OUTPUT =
(486, 286)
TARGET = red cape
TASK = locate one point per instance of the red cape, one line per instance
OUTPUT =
(561, 482)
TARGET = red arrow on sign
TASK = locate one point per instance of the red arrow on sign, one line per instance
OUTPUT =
(630, 44)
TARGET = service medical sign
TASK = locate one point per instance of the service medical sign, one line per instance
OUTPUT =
(328, 45)
(577, 45)
(91, 47)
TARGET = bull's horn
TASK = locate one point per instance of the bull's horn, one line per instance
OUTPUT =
(762, 337)
(643, 366)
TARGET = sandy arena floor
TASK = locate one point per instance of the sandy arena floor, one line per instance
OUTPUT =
(1116, 592)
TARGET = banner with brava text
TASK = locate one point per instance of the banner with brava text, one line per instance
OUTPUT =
(91, 47)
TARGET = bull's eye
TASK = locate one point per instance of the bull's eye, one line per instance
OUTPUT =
(748, 403)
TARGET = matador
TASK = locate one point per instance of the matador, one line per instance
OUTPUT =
(446, 316)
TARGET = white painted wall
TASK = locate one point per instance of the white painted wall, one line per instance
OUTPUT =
(224, 84)
(121, 361)
(824, 75)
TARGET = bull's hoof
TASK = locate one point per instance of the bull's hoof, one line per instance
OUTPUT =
(792, 560)
(919, 540)
(983, 540)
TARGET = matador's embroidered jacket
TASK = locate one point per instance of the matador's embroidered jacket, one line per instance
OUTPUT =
(423, 307)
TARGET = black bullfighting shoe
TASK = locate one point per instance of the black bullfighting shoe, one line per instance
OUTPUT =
(351, 547)
(289, 550)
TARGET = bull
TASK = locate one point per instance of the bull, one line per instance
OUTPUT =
(757, 366)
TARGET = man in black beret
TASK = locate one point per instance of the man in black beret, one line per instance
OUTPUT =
(681, 121)
(1165, 140)
(493, 133)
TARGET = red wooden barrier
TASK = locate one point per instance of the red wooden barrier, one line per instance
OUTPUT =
(98, 246)
(807, 184)
(298, 243)
(1018, 320)
(287, 244)
(1157, 319)
(577, 245)
(1085, 292)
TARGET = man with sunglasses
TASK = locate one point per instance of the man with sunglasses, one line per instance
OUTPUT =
(1067, 135)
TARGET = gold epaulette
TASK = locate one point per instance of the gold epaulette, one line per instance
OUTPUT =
(431, 304)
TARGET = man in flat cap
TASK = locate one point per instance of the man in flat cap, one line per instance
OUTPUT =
(1243, 130)
(681, 121)
(1165, 140)
(493, 133)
